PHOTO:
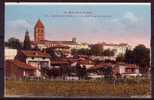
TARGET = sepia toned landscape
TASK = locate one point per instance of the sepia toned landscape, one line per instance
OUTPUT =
(70, 51)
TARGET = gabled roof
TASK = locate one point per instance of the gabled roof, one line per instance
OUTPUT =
(20, 64)
(31, 53)
(60, 42)
(59, 62)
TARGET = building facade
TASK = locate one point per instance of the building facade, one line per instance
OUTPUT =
(42, 43)
(15, 69)
(37, 59)
(118, 48)
(127, 70)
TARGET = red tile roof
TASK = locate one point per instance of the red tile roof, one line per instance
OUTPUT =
(21, 64)
(60, 46)
(73, 60)
(30, 53)
(60, 42)
(59, 62)
(130, 65)
(102, 65)
(86, 62)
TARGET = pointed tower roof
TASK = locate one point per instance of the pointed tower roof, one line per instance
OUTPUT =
(39, 24)
(27, 32)
(27, 35)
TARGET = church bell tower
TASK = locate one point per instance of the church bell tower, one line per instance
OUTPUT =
(39, 31)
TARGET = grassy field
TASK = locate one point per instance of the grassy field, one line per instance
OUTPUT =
(76, 88)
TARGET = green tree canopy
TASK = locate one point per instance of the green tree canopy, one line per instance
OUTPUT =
(129, 56)
(14, 43)
(97, 50)
(142, 57)
(108, 52)
(81, 51)
(120, 58)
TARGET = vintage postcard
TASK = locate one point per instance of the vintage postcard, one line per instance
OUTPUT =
(77, 50)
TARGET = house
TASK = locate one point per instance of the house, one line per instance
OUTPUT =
(37, 59)
(15, 69)
(127, 70)
(100, 70)
(118, 48)
(87, 63)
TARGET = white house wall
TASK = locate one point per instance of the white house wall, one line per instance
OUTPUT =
(122, 69)
(119, 49)
(38, 60)
(10, 53)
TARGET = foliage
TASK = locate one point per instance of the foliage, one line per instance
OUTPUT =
(97, 50)
(14, 43)
(51, 52)
(108, 52)
(120, 58)
(81, 51)
(142, 57)
(81, 72)
(129, 57)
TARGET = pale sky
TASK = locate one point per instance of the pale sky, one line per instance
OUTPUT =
(112, 23)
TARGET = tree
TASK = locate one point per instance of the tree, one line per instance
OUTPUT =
(27, 42)
(120, 58)
(129, 56)
(14, 43)
(78, 70)
(142, 57)
(51, 52)
(97, 50)
(107, 72)
(84, 72)
(108, 52)
(81, 51)
(73, 51)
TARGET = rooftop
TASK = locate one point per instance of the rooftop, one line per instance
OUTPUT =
(112, 44)
(20, 64)
(30, 53)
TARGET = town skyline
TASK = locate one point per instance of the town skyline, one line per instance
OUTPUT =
(111, 29)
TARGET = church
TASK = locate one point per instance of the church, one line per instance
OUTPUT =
(42, 43)
(67, 46)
